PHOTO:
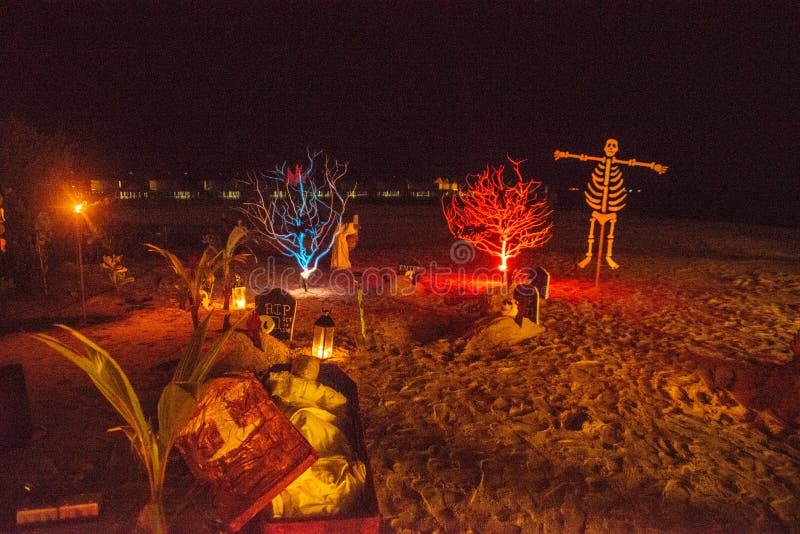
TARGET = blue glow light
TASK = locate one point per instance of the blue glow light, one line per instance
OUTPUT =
(298, 210)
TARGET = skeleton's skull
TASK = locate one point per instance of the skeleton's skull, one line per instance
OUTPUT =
(612, 145)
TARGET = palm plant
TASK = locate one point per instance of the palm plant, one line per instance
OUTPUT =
(194, 277)
(175, 406)
(117, 272)
(227, 256)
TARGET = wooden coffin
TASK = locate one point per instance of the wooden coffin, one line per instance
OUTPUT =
(364, 517)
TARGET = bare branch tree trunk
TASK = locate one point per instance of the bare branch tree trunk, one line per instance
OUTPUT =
(297, 210)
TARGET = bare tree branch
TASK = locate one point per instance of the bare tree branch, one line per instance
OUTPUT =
(499, 219)
(297, 210)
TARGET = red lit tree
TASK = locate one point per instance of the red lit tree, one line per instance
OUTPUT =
(498, 218)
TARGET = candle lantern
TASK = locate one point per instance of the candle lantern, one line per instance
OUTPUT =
(322, 345)
(239, 298)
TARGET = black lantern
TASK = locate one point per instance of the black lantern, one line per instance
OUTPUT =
(322, 346)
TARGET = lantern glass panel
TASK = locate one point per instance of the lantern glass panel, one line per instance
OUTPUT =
(322, 344)
(239, 298)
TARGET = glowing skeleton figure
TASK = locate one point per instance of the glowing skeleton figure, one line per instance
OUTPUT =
(605, 194)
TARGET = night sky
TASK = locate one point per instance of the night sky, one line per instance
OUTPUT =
(408, 91)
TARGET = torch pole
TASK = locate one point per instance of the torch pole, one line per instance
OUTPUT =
(80, 266)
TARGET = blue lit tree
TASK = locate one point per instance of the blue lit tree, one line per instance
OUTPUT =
(296, 210)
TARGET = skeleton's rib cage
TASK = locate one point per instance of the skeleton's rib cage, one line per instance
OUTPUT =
(606, 191)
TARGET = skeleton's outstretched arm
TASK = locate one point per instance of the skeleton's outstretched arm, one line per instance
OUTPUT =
(660, 169)
(558, 154)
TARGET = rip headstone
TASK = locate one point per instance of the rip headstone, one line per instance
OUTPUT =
(527, 298)
(281, 307)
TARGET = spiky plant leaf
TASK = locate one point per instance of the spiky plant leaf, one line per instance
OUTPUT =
(200, 371)
(112, 382)
(191, 354)
(196, 277)
(177, 264)
(238, 233)
(175, 407)
(180, 396)
(106, 374)
(151, 519)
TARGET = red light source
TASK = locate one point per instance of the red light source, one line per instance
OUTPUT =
(499, 219)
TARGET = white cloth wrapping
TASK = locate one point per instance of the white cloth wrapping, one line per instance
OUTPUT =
(334, 482)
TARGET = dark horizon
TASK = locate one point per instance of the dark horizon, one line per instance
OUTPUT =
(416, 90)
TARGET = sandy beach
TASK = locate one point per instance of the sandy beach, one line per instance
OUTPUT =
(665, 400)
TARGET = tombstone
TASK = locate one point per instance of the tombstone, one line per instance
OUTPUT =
(527, 298)
(536, 276)
(281, 307)
(541, 280)
(411, 268)
(15, 414)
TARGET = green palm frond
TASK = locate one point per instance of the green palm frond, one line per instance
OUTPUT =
(206, 269)
(177, 402)
(228, 256)
(191, 353)
(113, 384)
(179, 397)
(195, 278)
(200, 371)
(192, 277)
(177, 266)
(238, 233)
(106, 374)
(175, 407)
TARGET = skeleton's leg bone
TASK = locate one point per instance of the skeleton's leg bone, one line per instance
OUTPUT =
(585, 261)
(611, 263)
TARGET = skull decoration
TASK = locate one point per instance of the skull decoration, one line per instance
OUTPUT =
(258, 325)
(611, 148)
(267, 323)
(508, 308)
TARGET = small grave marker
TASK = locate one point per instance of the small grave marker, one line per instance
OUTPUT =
(410, 267)
(527, 297)
(281, 307)
(541, 280)
(536, 276)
